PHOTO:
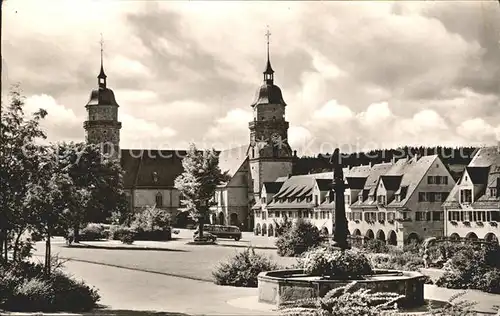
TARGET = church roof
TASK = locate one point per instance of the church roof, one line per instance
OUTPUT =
(268, 94)
(102, 96)
(151, 168)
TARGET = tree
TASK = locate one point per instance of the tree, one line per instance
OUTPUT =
(97, 189)
(48, 195)
(18, 163)
(198, 182)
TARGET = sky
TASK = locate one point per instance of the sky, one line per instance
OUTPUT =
(358, 74)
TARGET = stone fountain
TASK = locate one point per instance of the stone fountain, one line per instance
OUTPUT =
(277, 287)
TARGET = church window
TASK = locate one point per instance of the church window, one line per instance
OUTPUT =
(159, 199)
(275, 151)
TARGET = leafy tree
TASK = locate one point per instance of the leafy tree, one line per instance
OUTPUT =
(198, 182)
(18, 161)
(97, 189)
(48, 195)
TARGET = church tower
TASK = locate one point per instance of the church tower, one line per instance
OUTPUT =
(269, 153)
(102, 126)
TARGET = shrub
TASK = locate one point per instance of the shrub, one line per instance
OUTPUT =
(375, 246)
(116, 232)
(397, 261)
(128, 238)
(344, 301)
(298, 238)
(152, 219)
(24, 287)
(473, 267)
(72, 295)
(31, 295)
(242, 269)
(92, 232)
(336, 263)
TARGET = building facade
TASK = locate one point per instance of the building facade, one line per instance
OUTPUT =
(472, 209)
(401, 201)
(394, 202)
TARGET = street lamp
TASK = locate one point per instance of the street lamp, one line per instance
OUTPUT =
(340, 226)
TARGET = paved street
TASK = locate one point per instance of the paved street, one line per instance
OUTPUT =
(172, 258)
(177, 277)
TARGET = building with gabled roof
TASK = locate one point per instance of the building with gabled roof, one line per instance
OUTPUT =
(401, 201)
(472, 210)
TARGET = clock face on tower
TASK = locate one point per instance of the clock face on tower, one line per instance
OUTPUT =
(275, 137)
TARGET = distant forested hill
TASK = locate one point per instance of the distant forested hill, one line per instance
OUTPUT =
(450, 156)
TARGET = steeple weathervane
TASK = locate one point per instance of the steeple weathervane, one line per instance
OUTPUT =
(102, 75)
(269, 72)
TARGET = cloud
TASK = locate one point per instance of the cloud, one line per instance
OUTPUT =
(230, 130)
(61, 123)
(145, 134)
(332, 111)
(180, 73)
(478, 131)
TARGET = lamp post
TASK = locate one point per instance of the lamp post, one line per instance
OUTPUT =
(340, 226)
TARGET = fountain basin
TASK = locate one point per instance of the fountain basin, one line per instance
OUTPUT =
(277, 287)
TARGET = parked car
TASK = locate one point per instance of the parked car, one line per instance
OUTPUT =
(206, 235)
(222, 231)
(176, 231)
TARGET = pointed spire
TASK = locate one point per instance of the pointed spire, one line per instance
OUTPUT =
(269, 72)
(102, 76)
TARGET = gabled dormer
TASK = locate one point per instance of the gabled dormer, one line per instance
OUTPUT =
(465, 189)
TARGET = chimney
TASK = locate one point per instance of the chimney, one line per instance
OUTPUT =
(393, 160)
(295, 153)
(370, 164)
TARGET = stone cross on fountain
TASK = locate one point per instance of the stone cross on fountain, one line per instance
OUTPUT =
(338, 185)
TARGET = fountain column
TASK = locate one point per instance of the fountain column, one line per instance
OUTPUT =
(340, 227)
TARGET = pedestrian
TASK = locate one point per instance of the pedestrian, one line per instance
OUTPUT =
(426, 257)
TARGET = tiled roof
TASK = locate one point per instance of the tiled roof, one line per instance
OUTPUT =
(391, 183)
(151, 168)
(356, 183)
(413, 173)
(485, 157)
(484, 170)
(371, 183)
(290, 205)
(324, 184)
(478, 175)
(273, 187)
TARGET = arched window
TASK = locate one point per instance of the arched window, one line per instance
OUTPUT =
(159, 199)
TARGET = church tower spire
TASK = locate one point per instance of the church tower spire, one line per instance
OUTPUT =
(269, 72)
(102, 76)
(102, 125)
